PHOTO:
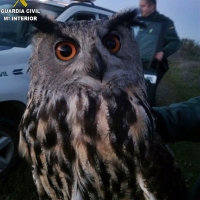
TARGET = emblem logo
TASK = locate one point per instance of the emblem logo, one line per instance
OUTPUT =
(23, 2)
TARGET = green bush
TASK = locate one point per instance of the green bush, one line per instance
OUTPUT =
(190, 49)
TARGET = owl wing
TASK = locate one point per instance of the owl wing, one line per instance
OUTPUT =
(157, 173)
(44, 141)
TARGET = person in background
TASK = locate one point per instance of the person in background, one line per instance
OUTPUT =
(171, 41)
(180, 122)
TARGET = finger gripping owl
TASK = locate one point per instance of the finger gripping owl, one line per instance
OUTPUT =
(88, 131)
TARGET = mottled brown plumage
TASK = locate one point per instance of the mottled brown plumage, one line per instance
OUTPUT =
(88, 130)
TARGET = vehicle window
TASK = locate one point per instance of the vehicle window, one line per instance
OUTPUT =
(50, 11)
(11, 31)
(17, 33)
(82, 16)
(101, 16)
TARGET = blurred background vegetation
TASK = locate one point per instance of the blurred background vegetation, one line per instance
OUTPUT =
(180, 83)
(182, 80)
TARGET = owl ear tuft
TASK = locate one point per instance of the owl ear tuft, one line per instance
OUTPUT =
(44, 24)
(126, 18)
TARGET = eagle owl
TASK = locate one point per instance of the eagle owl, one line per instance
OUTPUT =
(88, 130)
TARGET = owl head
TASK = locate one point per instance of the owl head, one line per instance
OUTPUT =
(89, 53)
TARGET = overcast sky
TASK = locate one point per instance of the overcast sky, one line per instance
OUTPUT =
(184, 13)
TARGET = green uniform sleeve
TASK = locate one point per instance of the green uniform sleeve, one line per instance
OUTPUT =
(180, 121)
(172, 42)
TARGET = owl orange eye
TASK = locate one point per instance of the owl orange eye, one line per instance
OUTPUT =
(65, 50)
(112, 43)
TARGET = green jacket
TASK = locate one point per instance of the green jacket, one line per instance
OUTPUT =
(180, 121)
(171, 42)
(147, 39)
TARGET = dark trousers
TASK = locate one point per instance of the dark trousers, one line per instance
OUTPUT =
(161, 67)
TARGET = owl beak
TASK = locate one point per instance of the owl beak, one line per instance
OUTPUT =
(98, 68)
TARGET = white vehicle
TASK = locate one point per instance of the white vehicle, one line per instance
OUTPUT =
(15, 51)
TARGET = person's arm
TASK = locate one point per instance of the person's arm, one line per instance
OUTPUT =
(180, 121)
(172, 42)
